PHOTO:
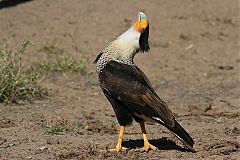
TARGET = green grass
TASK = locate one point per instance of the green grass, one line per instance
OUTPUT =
(51, 48)
(57, 127)
(59, 61)
(55, 130)
(61, 126)
(62, 63)
(79, 127)
(18, 82)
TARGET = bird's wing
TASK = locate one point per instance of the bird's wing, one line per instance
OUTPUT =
(130, 86)
(99, 55)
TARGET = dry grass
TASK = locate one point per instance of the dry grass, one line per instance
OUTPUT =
(18, 82)
(59, 60)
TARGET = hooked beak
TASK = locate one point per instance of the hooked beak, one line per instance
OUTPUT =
(141, 23)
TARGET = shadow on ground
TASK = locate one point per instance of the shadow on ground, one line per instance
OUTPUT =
(11, 3)
(161, 144)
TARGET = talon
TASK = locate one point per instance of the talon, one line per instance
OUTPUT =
(149, 147)
(119, 147)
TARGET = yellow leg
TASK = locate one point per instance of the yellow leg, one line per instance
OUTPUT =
(147, 145)
(119, 144)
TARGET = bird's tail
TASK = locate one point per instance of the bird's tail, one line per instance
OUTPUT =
(182, 135)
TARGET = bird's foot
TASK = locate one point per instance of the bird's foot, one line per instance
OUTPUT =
(119, 149)
(147, 147)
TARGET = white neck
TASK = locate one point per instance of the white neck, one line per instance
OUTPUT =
(131, 37)
(128, 43)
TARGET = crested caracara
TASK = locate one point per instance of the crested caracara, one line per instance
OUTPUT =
(128, 89)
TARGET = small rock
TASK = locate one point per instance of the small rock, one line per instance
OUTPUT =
(225, 67)
(221, 120)
(2, 140)
(29, 157)
(205, 74)
(43, 148)
(184, 37)
(189, 47)
(162, 82)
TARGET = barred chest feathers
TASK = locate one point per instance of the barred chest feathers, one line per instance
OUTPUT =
(116, 51)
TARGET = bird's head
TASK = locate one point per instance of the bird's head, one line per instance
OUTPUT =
(142, 27)
(141, 22)
(137, 35)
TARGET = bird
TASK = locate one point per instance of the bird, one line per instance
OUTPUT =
(129, 91)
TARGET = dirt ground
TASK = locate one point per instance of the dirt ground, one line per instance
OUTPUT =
(194, 65)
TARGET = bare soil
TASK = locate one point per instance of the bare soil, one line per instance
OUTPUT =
(194, 65)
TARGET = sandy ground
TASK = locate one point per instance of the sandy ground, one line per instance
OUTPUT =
(193, 65)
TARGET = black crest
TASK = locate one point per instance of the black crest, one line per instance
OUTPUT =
(143, 40)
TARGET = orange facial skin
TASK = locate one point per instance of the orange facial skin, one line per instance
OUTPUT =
(141, 24)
